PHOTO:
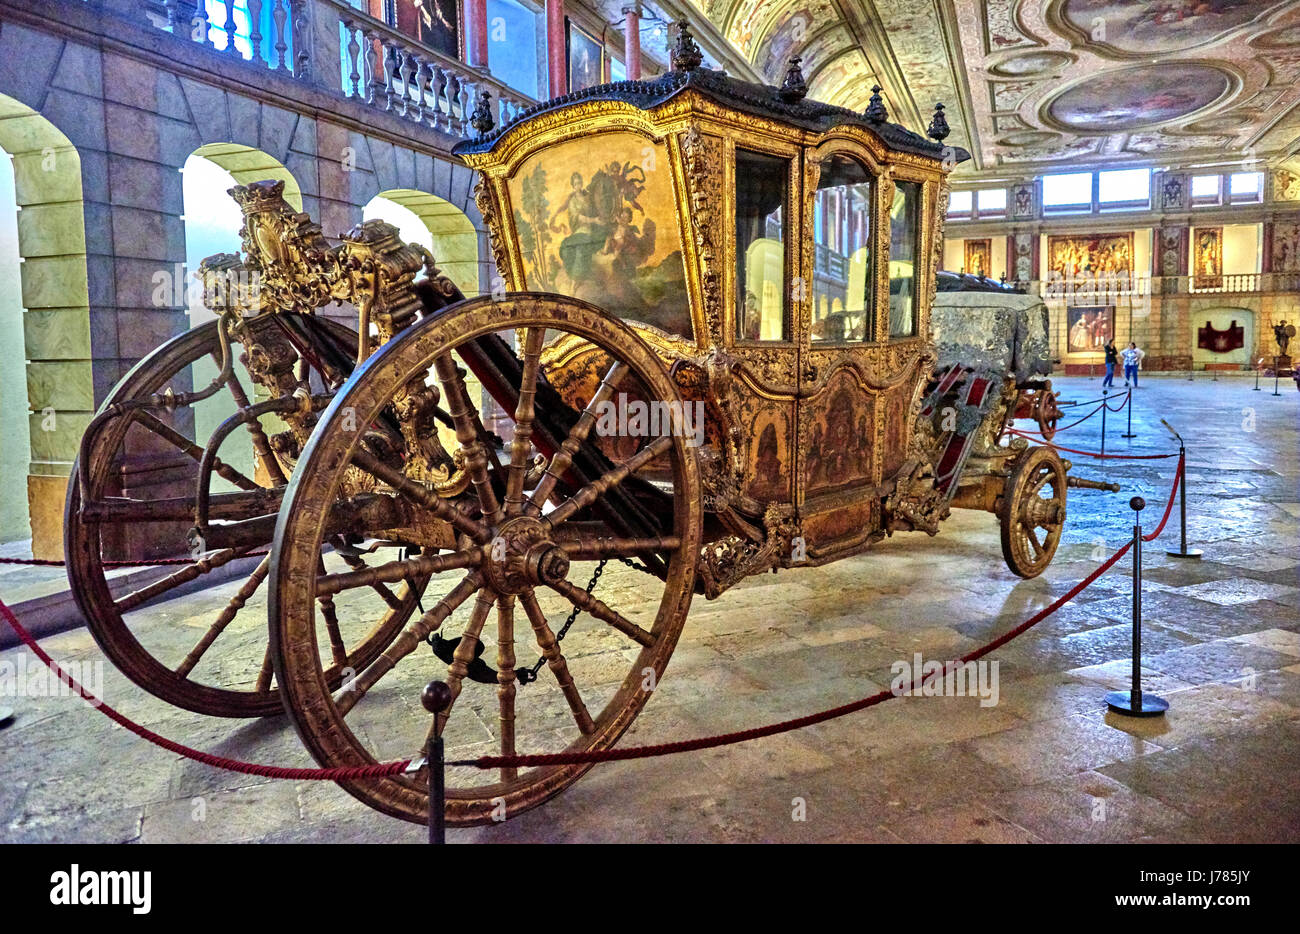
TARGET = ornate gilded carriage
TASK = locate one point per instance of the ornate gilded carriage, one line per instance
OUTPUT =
(710, 354)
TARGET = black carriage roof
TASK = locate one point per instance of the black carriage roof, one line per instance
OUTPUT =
(758, 99)
(965, 282)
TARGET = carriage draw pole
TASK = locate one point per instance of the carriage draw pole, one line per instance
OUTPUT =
(1183, 551)
(1134, 703)
(436, 698)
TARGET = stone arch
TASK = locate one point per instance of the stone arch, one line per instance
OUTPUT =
(451, 235)
(53, 300)
(246, 164)
(1221, 318)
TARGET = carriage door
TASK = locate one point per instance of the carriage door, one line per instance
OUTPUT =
(838, 412)
(761, 324)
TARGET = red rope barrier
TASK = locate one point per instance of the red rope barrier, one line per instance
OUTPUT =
(1136, 457)
(585, 757)
(1169, 506)
(220, 762)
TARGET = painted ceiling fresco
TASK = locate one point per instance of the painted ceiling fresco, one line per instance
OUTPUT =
(1031, 83)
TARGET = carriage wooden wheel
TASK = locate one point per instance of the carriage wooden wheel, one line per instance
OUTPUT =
(526, 548)
(141, 471)
(1032, 511)
(1046, 411)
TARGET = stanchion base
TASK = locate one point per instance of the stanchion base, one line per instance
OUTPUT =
(1189, 553)
(1148, 705)
(6, 716)
(1128, 434)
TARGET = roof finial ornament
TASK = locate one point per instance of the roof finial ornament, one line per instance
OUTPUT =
(938, 130)
(876, 107)
(687, 56)
(794, 88)
(480, 117)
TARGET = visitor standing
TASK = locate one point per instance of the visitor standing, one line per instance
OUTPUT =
(1132, 359)
(1112, 361)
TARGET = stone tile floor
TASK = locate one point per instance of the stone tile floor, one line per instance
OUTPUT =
(1045, 763)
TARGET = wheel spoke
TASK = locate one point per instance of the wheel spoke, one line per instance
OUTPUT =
(608, 480)
(337, 649)
(521, 445)
(421, 496)
(506, 681)
(357, 564)
(469, 432)
(597, 608)
(555, 661)
(156, 426)
(1031, 534)
(394, 572)
(563, 458)
(466, 651)
(407, 642)
(223, 619)
(186, 574)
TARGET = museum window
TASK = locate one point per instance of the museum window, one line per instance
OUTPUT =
(762, 192)
(991, 202)
(1245, 187)
(843, 293)
(961, 205)
(1124, 189)
(512, 45)
(1207, 190)
(904, 255)
(1067, 193)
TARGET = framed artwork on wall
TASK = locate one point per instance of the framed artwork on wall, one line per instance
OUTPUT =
(1088, 256)
(438, 24)
(1088, 327)
(586, 58)
(978, 257)
(1207, 258)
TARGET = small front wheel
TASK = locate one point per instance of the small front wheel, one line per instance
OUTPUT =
(1032, 513)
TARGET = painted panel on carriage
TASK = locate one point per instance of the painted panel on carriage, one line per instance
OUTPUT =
(597, 220)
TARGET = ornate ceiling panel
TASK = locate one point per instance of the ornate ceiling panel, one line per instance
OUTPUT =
(1036, 83)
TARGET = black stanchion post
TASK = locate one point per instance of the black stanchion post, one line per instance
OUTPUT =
(436, 698)
(1276, 370)
(1183, 551)
(1257, 377)
(1134, 703)
(1104, 408)
(1128, 404)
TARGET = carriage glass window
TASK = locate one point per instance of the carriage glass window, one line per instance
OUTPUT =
(904, 256)
(596, 221)
(762, 183)
(843, 287)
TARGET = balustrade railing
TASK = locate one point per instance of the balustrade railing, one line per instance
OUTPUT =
(1086, 290)
(376, 64)
(394, 73)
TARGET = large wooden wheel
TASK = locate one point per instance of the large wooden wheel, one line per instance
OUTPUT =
(1032, 511)
(142, 468)
(530, 548)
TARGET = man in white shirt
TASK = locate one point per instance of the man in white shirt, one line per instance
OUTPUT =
(1132, 359)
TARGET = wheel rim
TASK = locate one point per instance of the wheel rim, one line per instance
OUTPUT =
(591, 687)
(227, 644)
(1034, 512)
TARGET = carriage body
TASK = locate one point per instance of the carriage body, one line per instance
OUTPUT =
(780, 257)
(760, 267)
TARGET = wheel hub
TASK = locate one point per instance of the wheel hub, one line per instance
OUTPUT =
(522, 555)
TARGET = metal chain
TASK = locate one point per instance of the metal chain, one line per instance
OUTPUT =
(573, 615)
